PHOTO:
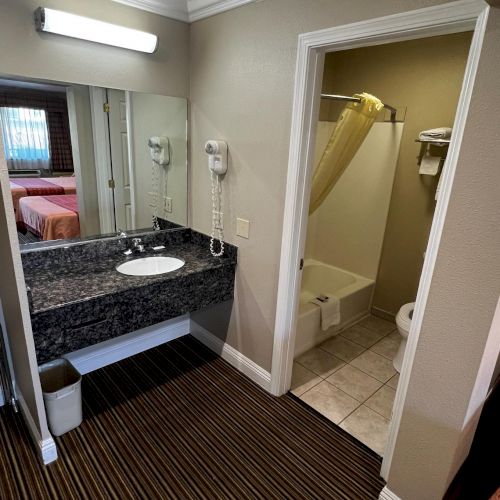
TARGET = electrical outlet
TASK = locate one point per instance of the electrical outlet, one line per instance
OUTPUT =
(168, 204)
(243, 228)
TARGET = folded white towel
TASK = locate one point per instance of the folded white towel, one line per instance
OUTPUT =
(435, 133)
(329, 309)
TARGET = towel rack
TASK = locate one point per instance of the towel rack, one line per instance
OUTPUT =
(425, 144)
(336, 97)
(435, 142)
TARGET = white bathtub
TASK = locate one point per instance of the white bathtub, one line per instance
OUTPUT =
(355, 294)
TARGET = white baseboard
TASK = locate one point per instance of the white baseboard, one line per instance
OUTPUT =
(110, 351)
(387, 494)
(246, 366)
(46, 447)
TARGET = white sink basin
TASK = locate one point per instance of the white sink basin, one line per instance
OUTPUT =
(150, 266)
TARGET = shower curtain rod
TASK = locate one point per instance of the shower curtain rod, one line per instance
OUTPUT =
(357, 99)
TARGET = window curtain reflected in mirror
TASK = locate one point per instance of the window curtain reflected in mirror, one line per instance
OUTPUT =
(26, 138)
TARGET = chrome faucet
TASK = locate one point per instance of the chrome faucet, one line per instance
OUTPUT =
(121, 233)
(137, 247)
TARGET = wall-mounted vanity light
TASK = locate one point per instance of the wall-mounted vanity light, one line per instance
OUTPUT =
(64, 23)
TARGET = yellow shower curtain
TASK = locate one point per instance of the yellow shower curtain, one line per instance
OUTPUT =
(353, 126)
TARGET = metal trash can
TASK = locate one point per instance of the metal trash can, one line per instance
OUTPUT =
(62, 394)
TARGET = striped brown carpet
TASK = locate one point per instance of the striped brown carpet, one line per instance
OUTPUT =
(179, 422)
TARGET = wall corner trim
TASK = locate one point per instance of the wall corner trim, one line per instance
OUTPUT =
(200, 9)
(245, 365)
(387, 494)
(185, 10)
(159, 7)
(46, 448)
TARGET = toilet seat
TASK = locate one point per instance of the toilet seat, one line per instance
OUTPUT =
(403, 319)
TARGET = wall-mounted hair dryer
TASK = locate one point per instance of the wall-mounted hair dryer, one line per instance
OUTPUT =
(159, 148)
(217, 164)
(217, 156)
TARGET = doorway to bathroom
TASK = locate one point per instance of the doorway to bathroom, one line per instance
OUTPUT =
(356, 238)
(368, 226)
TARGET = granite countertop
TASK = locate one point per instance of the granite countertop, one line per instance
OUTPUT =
(79, 299)
(74, 281)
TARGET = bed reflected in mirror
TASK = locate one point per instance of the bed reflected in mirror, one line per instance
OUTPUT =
(89, 162)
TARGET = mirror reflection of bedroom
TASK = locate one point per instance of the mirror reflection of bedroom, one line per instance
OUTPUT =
(80, 164)
(37, 147)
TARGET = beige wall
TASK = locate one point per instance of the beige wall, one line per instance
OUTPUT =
(242, 79)
(241, 91)
(242, 67)
(27, 53)
(425, 76)
(440, 411)
(15, 308)
(347, 229)
(157, 115)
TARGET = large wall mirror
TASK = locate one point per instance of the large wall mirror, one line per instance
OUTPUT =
(90, 162)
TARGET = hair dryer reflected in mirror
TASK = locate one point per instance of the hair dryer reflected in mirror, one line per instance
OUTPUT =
(159, 148)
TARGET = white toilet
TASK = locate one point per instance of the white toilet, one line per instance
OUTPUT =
(403, 322)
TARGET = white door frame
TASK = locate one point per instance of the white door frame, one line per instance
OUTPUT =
(131, 156)
(102, 155)
(444, 19)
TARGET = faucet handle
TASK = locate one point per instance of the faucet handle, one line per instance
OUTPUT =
(138, 244)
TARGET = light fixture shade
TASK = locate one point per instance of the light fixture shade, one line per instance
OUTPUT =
(64, 23)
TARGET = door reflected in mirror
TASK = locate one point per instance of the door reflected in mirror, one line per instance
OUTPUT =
(90, 162)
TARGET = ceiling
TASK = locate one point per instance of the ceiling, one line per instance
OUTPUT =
(185, 10)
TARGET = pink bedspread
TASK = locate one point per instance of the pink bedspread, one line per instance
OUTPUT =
(51, 217)
(67, 201)
(67, 183)
(37, 186)
(34, 186)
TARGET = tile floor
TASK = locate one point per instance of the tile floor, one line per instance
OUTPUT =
(351, 381)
